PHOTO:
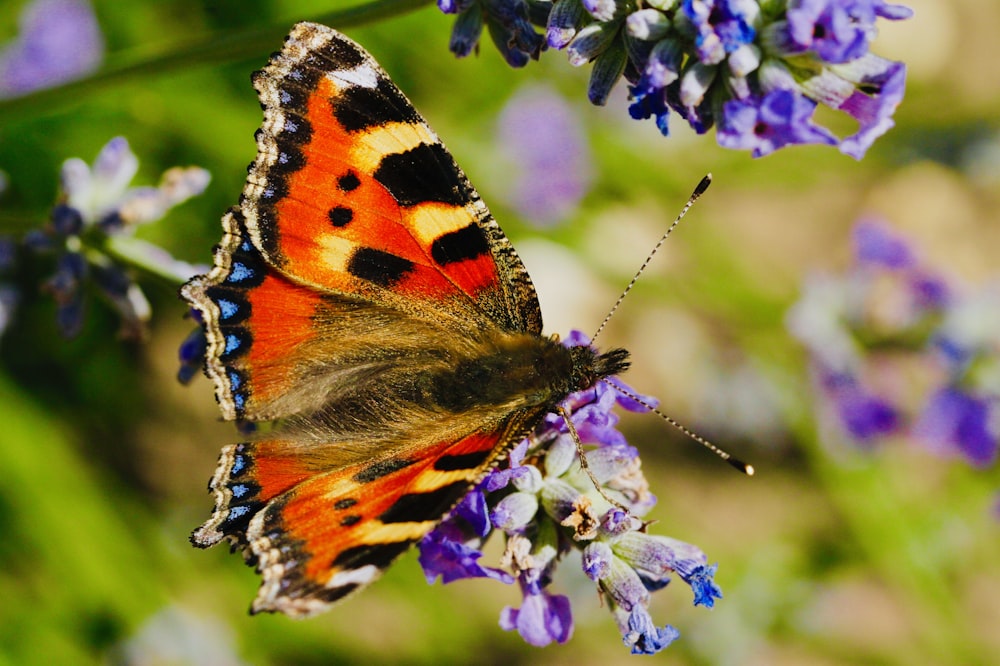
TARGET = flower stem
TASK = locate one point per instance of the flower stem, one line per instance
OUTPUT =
(209, 49)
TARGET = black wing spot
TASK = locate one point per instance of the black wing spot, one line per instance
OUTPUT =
(421, 174)
(381, 555)
(359, 108)
(420, 507)
(348, 182)
(461, 461)
(350, 520)
(341, 53)
(341, 216)
(381, 268)
(381, 468)
(468, 242)
(347, 503)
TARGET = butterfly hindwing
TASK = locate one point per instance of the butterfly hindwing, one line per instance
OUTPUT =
(317, 533)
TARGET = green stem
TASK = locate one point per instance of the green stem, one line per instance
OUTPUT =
(209, 49)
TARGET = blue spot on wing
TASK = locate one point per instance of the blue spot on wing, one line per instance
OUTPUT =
(236, 512)
(240, 273)
(227, 308)
(238, 464)
(232, 343)
(239, 490)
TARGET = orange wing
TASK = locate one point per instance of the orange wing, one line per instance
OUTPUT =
(316, 535)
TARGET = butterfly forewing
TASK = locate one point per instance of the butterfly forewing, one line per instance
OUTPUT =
(352, 191)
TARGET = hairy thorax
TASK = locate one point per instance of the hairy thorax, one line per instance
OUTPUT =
(519, 372)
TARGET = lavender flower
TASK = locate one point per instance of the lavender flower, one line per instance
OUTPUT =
(539, 132)
(507, 22)
(60, 41)
(546, 505)
(890, 309)
(91, 231)
(956, 421)
(765, 124)
(757, 70)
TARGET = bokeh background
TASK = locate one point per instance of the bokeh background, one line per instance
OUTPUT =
(829, 555)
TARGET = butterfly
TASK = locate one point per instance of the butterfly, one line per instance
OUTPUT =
(364, 299)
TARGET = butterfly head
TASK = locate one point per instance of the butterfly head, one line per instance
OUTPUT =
(589, 366)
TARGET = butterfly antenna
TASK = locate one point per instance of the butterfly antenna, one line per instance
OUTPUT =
(584, 465)
(698, 191)
(734, 462)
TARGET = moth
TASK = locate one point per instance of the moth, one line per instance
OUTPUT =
(364, 298)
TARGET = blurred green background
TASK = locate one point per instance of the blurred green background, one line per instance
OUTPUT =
(827, 556)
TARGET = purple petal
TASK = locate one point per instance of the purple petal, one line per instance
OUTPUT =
(837, 31)
(864, 415)
(541, 134)
(956, 420)
(881, 84)
(763, 125)
(453, 560)
(60, 41)
(474, 511)
(700, 578)
(542, 618)
(191, 355)
(875, 243)
(643, 636)
(466, 32)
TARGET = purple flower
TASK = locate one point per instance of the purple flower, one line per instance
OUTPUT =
(453, 560)
(507, 22)
(96, 202)
(542, 136)
(651, 102)
(865, 416)
(60, 41)
(512, 32)
(713, 62)
(702, 583)
(877, 245)
(639, 632)
(891, 311)
(191, 353)
(837, 31)
(541, 619)
(879, 87)
(722, 26)
(765, 124)
(955, 420)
